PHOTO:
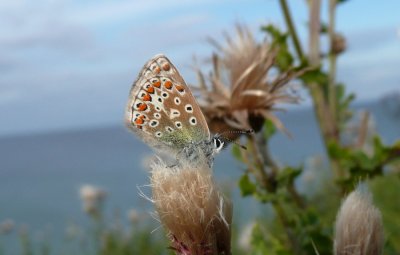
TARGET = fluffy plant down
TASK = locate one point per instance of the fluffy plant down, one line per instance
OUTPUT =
(359, 229)
(192, 210)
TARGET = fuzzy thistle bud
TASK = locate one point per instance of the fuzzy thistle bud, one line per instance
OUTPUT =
(359, 228)
(191, 208)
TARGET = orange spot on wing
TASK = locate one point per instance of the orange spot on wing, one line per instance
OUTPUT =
(180, 88)
(139, 121)
(156, 70)
(168, 84)
(150, 89)
(157, 83)
(166, 67)
(146, 97)
(142, 107)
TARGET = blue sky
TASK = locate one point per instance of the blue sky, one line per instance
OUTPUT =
(69, 64)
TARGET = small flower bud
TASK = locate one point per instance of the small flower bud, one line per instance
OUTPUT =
(338, 44)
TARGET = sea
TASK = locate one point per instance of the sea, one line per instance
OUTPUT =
(41, 173)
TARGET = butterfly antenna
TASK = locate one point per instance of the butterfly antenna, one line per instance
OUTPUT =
(249, 131)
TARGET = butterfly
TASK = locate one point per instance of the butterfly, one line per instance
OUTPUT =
(162, 111)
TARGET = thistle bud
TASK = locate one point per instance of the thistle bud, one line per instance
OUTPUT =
(192, 210)
(359, 229)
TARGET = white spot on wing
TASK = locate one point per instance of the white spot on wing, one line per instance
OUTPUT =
(153, 123)
(189, 108)
(178, 124)
(174, 113)
(193, 121)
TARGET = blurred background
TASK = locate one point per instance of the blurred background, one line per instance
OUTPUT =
(66, 68)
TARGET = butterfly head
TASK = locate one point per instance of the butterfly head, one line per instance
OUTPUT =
(218, 143)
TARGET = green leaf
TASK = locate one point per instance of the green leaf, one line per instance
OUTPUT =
(237, 154)
(314, 76)
(284, 59)
(269, 129)
(324, 28)
(265, 243)
(246, 186)
(274, 32)
(259, 245)
(334, 150)
(287, 175)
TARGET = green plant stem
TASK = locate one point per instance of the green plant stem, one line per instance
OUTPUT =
(259, 171)
(292, 30)
(323, 111)
(332, 61)
(261, 144)
(314, 32)
(286, 225)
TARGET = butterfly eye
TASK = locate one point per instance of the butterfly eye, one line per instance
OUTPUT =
(218, 144)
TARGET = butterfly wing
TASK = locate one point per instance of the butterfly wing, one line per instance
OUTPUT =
(161, 109)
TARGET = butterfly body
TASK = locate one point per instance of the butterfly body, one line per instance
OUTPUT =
(162, 111)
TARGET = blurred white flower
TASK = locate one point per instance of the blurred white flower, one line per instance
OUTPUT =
(133, 216)
(360, 132)
(92, 199)
(73, 231)
(6, 226)
(245, 236)
(312, 176)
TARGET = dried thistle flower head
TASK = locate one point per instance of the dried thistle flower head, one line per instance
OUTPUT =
(92, 199)
(359, 229)
(192, 210)
(242, 92)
